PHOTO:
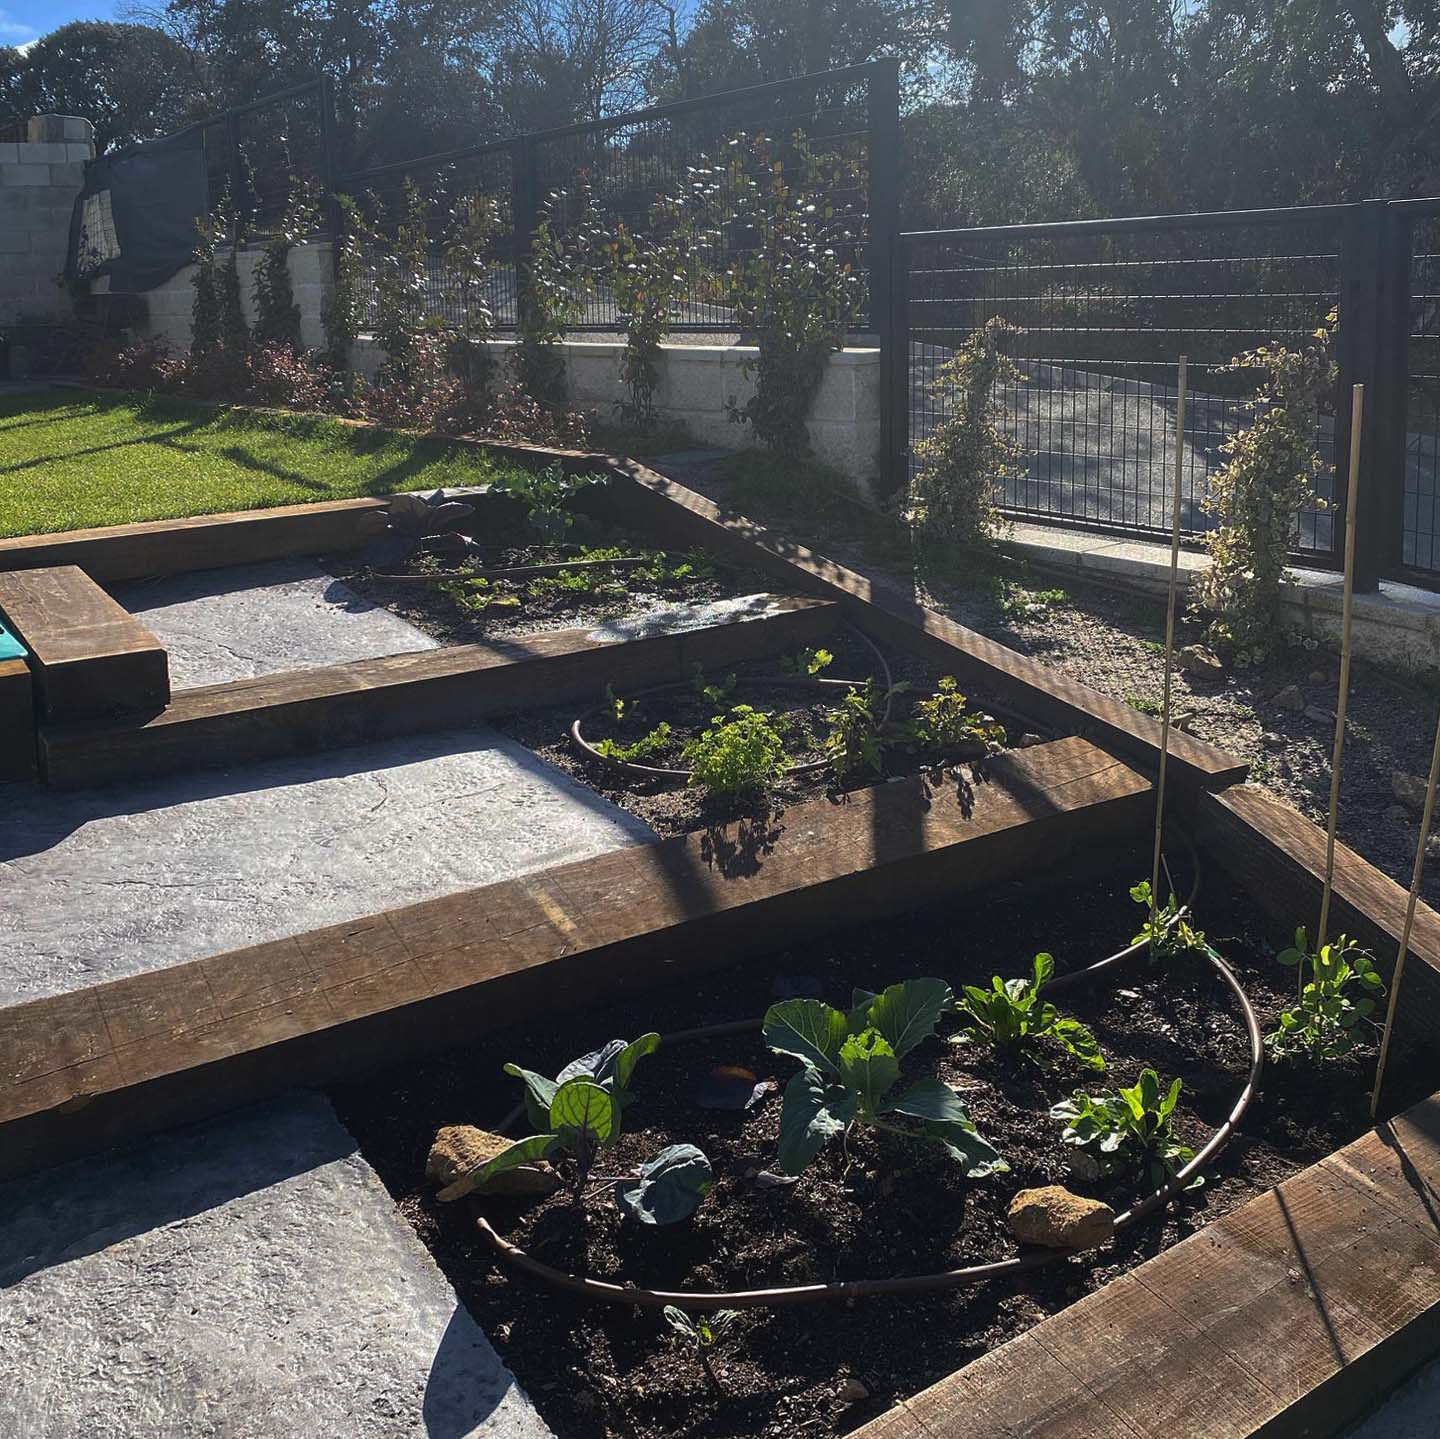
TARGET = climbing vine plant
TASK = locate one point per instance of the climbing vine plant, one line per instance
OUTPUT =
(277, 316)
(345, 309)
(216, 315)
(557, 284)
(968, 455)
(1269, 475)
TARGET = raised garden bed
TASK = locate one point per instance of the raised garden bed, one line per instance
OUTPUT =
(880, 1206)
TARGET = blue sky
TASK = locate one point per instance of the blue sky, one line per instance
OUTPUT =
(22, 20)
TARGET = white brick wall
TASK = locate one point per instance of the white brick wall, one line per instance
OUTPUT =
(39, 180)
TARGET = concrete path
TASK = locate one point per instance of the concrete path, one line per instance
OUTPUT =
(234, 624)
(249, 1278)
(1411, 1412)
(110, 882)
(115, 881)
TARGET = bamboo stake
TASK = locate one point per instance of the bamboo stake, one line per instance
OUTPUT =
(1357, 408)
(1419, 869)
(1169, 643)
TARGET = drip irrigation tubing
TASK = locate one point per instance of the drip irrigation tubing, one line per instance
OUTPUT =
(812, 682)
(702, 1301)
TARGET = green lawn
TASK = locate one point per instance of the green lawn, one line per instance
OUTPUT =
(70, 460)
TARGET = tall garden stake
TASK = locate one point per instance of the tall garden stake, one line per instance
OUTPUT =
(1169, 643)
(1409, 921)
(1357, 409)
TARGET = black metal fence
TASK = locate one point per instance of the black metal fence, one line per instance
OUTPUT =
(1103, 309)
(626, 162)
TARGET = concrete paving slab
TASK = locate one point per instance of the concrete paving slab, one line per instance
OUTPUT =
(104, 883)
(1411, 1412)
(248, 1278)
(233, 624)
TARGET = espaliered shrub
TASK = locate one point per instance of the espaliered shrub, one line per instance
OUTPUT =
(968, 456)
(345, 309)
(277, 316)
(1269, 476)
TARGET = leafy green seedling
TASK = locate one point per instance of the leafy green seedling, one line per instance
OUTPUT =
(944, 725)
(612, 1067)
(807, 662)
(615, 707)
(643, 748)
(546, 493)
(1324, 1024)
(1169, 933)
(852, 1062)
(1128, 1131)
(700, 1333)
(744, 754)
(668, 1188)
(716, 694)
(1010, 1015)
(858, 740)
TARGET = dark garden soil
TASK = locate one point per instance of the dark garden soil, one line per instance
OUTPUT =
(890, 1208)
(799, 709)
(458, 613)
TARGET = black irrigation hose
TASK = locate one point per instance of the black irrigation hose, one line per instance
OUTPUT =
(701, 1301)
(650, 771)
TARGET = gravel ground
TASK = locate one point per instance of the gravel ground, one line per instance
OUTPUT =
(1113, 641)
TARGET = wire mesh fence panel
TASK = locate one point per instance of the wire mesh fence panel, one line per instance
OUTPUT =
(624, 170)
(464, 202)
(1101, 312)
(260, 157)
(1420, 533)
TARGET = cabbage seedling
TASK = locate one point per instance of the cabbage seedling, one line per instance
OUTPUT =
(852, 1062)
(701, 1333)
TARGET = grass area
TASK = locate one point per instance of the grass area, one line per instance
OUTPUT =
(71, 460)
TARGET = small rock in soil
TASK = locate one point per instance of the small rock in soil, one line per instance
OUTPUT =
(1318, 716)
(1292, 698)
(1409, 789)
(1197, 660)
(1432, 847)
(852, 1391)
(1084, 1167)
(1026, 740)
(460, 1149)
(1054, 1217)
(1316, 677)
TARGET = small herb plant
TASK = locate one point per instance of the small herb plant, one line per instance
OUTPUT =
(807, 663)
(1128, 1131)
(1169, 933)
(945, 726)
(700, 1333)
(857, 740)
(1011, 1016)
(546, 493)
(647, 746)
(852, 1062)
(615, 707)
(1325, 1021)
(715, 693)
(479, 595)
(743, 754)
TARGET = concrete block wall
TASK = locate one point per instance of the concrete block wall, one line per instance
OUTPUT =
(169, 306)
(698, 382)
(40, 177)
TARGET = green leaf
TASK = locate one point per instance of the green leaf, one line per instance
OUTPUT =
(906, 1014)
(1044, 970)
(962, 1142)
(669, 1188)
(809, 1029)
(1079, 1041)
(1167, 1105)
(929, 1099)
(868, 1067)
(539, 1092)
(630, 1056)
(812, 1115)
(523, 1151)
(584, 1108)
(858, 1017)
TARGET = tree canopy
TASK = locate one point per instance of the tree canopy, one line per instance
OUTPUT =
(1014, 109)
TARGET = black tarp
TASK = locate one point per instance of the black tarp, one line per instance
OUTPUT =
(135, 217)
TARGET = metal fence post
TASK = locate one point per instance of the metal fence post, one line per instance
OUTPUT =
(329, 176)
(883, 163)
(1371, 332)
(1389, 439)
(524, 212)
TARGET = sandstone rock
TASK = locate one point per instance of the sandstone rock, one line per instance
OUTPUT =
(1292, 698)
(460, 1148)
(852, 1391)
(1057, 1219)
(1197, 660)
(1409, 789)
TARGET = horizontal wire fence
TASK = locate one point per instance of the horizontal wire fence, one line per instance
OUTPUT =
(625, 164)
(1101, 311)
(1420, 526)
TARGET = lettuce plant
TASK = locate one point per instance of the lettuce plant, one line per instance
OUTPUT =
(1325, 1021)
(1128, 1131)
(1011, 1016)
(851, 1064)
